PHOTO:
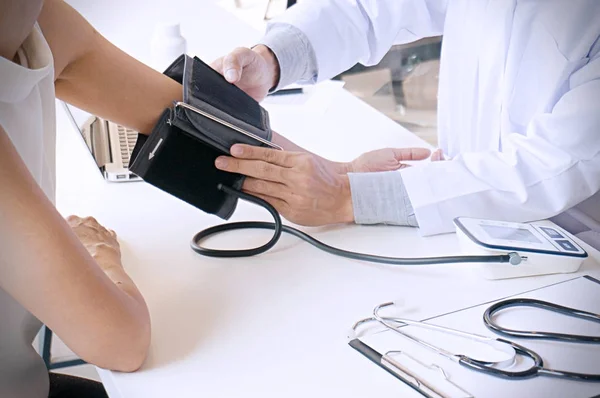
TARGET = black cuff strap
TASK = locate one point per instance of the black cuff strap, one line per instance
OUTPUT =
(178, 156)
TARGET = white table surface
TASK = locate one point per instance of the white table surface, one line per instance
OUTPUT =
(273, 325)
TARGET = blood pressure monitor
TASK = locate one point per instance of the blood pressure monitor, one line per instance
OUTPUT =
(544, 248)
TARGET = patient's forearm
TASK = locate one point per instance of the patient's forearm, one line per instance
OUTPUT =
(119, 277)
(286, 144)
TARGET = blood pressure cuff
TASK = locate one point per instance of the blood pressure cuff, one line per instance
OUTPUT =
(178, 156)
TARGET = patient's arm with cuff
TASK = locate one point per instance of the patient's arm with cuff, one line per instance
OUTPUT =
(96, 76)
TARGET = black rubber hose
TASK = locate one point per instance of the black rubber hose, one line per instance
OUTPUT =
(278, 227)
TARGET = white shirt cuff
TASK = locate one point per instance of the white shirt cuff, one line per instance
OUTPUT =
(381, 198)
(295, 54)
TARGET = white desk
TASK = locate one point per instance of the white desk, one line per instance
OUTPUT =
(273, 325)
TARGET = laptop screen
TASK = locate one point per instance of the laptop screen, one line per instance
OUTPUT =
(109, 144)
(79, 119)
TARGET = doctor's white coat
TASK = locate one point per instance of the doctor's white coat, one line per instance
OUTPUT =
(519, 100)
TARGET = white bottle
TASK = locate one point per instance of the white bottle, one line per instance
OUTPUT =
(167, 44)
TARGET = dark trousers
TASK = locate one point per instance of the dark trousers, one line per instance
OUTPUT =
(62, 386)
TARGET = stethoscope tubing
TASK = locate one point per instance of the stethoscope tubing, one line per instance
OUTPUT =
(488, 319)
(536, 368)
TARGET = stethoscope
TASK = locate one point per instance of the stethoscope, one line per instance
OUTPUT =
(510, 350)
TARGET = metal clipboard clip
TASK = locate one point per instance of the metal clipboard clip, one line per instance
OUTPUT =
(406, 374)
(394, 365)
(417, 383)
(227, 124)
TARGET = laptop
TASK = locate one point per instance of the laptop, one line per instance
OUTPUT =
(109, 143)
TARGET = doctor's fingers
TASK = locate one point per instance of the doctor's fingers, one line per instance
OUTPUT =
(281, 206)
(271, 189)
(217, 65)
(252, 168)
(233, 63)
(269, 155)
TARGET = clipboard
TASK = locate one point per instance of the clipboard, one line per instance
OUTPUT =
(457, 381)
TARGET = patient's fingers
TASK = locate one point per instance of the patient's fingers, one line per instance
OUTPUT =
(407, 154)
(437, 156)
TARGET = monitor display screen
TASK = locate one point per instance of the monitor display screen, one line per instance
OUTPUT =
(508, 233)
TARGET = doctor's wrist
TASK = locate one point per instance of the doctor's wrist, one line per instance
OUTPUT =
(345, 213)
(273, 68)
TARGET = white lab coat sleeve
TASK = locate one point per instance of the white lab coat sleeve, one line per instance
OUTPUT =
(551, 168)
(344, 32)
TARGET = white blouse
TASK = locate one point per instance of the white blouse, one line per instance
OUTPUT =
(28, 116)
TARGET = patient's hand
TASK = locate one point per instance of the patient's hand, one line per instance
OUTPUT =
(101, 243)
(387, 159)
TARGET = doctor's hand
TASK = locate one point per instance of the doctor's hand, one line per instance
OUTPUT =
(255, 71)
(304, 188)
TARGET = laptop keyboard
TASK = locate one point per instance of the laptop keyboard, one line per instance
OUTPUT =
(127, 139)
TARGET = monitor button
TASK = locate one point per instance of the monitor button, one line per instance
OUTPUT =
(568, 246)
(554, 234)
